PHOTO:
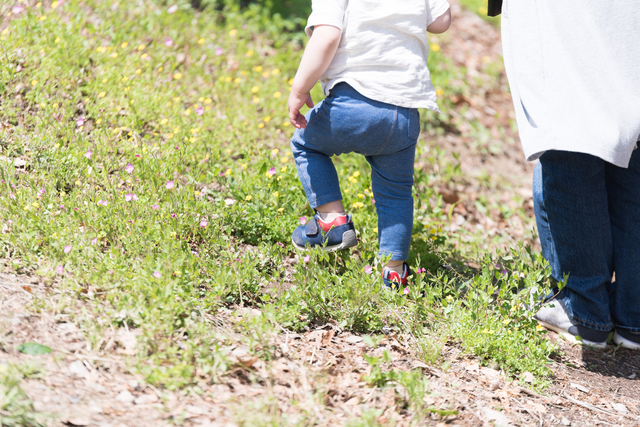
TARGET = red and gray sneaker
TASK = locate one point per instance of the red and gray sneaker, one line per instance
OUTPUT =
(331, 236)
(395, 281)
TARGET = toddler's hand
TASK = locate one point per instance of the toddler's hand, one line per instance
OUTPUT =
(295, 103)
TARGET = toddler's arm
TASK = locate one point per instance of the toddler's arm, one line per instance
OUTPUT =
(316, 59)
(441, 24)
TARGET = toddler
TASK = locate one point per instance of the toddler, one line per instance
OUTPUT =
(371, 58)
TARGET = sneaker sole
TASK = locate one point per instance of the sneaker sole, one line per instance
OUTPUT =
(625, 343)
(571, 338)
(349, 240)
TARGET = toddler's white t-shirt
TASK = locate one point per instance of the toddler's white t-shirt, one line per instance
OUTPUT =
(384, 48)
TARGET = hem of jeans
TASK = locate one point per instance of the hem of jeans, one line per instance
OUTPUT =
(590, 325)
(400, 257)
(324, 200)
(626, 328)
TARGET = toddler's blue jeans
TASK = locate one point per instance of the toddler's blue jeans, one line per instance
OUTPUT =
(386, 135)
(588, 217)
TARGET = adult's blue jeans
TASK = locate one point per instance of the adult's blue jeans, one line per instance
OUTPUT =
(588, 217)
(386, 135)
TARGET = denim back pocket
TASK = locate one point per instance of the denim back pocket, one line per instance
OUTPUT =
(413, 124)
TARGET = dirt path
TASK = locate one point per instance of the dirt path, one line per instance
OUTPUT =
(321, 370)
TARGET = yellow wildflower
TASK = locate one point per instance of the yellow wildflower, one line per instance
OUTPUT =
(164, 121)
(267, 119)
(201, 41)
(248, 198)
(233, 32)
(141, 47)
(357, 205)
(124, 45)
(277, 94)
(435, 47)
(54, 5)
(255, 89)
(177, 76)
(249, 53)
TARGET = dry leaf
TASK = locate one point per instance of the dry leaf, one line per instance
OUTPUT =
(326, 337)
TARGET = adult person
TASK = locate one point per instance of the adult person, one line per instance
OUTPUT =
(574, 71)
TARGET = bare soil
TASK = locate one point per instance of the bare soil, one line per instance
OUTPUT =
(321, 370)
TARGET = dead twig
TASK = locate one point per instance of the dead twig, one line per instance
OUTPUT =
(595, 408)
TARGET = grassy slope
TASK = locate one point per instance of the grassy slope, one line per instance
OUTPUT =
(106, 113)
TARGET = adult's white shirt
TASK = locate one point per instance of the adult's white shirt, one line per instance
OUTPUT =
(574, 72)
(384, 48)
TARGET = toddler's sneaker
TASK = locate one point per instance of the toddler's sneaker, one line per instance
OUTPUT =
(395, 281)
(626, 339)
(553, 315)
(333, 236)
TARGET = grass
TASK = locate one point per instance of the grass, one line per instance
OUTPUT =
(146, 174)
(15, 407)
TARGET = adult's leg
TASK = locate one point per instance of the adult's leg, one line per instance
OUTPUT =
(576, 233)
(623, 187)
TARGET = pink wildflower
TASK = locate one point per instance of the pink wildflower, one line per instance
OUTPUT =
(129, 197)
(406, 291)
(103, 202)
(168, 42)
(155, 207)
(94, 240)
(219, 51)
(88, 154)
(303, 220)
(169, 185)
(306, 259)
(368, 269)
(157, 274)
(271, 172)
(60, 270)
(129, 168)
(67, 249)
(204, 223)
(80, 122)
(200, 111)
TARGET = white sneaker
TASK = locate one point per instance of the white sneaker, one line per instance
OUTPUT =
(626, 339)
(553, 315)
